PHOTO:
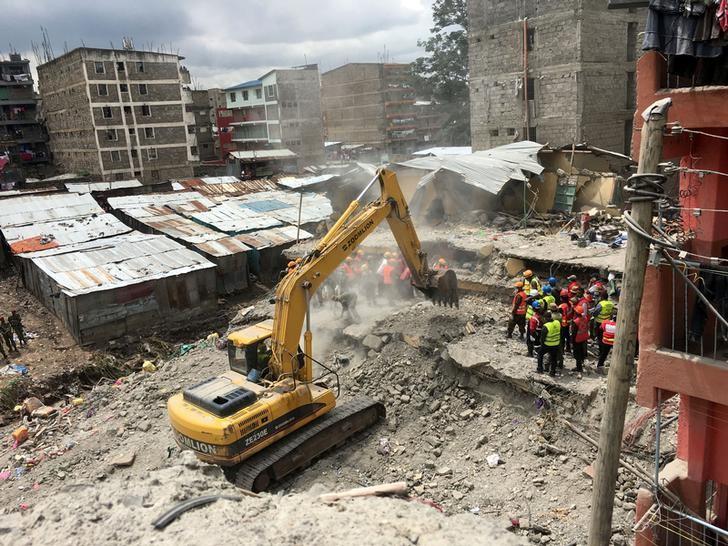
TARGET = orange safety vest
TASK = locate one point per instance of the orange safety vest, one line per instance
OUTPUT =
(609, 327)
(387, 274)
(566, 313)
(521, 309)
(582, 329)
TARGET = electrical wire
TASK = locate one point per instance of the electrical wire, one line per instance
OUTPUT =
(721, 137)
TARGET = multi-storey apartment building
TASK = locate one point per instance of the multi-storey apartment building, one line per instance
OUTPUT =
(281, 109)
(119, 114)
(22, 138)
(372, 104)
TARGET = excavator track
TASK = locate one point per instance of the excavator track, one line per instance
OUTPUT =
(301, 448)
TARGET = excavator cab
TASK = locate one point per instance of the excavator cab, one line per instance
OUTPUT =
(247, 349)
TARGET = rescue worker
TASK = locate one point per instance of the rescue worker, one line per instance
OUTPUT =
(518, 311)
(405, 283)
(535, 323)
(2, 350)
(529, 278)
(369, 283)
(387, 279)
(579, 337)
(550, 341)
(380, 269)
(16, 324)
(7, 334)
(348, 268)
(567, 312)
(573, 283)
(602, 311)
(555, 311)
(441, 265)
(608, 331)
(553, 283)
(348, 306)
(548, 297)
(290, 266)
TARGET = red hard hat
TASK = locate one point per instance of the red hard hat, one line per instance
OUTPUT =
(564, 293)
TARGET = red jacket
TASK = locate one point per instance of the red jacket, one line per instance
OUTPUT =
(535, 324)
(580, 329)
(519, 303)
(387, 274)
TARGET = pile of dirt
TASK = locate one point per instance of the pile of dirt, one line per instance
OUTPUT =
(122, 510)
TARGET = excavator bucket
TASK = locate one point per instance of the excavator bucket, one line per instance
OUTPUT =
(445, 289)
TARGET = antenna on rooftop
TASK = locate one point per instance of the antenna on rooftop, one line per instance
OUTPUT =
(127, 43)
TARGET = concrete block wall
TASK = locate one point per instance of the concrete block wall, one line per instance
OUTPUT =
(79, 87)
(578, 63)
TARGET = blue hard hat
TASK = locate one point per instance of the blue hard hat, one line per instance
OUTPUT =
(552, 280)
(547, 289)
(536, 304)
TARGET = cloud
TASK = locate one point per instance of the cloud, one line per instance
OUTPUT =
(225, 41)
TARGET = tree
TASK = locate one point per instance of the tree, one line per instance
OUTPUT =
(442, 73)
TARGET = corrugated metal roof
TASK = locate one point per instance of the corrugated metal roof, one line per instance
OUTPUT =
(315, 208)
(295, 182)
(39, 236)
(31, 209)
(241, 187)
(262, 155)
(88, 187)
(117, 261)
(232, 219)
(245, 85)
(160, 200)
(225, 246)
(273, 237)
(446, 150)
(27, 191)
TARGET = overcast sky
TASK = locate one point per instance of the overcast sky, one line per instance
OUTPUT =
(226, 41)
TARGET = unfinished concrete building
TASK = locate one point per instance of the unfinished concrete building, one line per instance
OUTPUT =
(22, 138)
(200, 108)
(119, 114)
(556, 71)
(280, 110)
(371, 104)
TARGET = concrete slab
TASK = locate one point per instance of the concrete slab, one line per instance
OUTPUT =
(505, 361)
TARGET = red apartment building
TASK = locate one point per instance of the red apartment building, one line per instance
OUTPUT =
(683, 347)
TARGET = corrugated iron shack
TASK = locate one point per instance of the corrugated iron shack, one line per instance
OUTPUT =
(150, 214)
(125, 284)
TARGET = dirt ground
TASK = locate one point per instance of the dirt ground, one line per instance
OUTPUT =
(440, 435)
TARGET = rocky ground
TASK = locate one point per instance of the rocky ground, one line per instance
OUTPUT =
(483, 450)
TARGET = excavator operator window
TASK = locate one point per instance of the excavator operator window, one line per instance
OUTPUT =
(251, 357)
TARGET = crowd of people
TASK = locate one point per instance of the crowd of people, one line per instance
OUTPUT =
(11, 328)
(374, 276)
(555, 318)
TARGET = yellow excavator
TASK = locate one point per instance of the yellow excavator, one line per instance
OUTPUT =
(267, 416)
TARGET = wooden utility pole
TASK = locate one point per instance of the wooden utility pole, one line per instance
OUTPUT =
(610, 436)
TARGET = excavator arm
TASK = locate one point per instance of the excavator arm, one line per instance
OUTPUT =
(295, 291)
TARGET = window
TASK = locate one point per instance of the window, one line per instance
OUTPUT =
(511, 131)
(631, 99)
(530, 39)
(124, 88)
(127, 110)
(115, 156)
(132, 131)
(151, 153)
(245, 95)
(531, 88)
(493, 132)
(232, 97)
(133, 153)
(258, 93)
(140, 67)
(120, 66)
(149, 132)
(137, 174)
(102, 89)
(203, 129)
(111, 134)
(190, 129)
(155, 175)
(99, 68)
(193, 150)
(106, 112)
(631, 41)
(146, 110)
(143, 89)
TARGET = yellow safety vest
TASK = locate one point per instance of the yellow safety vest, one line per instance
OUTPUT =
(553, 334)
(549, 300)
(606, 311)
